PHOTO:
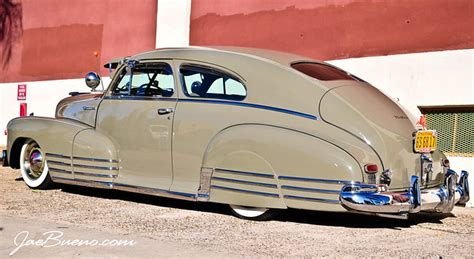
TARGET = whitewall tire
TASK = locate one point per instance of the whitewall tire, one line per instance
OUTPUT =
(33, 166)
(253, 213)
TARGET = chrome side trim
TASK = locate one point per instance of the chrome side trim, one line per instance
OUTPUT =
(273, 195)
(95, 175)
(155, 191)
(294, 197)
(94, 159)
(304, 189)
(81, 182)
(61, 171)
(108, 168)
(304, 179)
(220, 170)
(251, 105)
(57, 155)
(52, 162)
(126, 187)
(222, 179)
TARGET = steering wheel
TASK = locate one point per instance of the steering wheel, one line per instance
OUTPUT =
(142, 90)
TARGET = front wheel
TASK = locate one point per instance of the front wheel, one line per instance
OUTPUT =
(252, 213)
(33, 166)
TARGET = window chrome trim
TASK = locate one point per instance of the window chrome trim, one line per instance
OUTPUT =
(273, 195)
(305, 189)
(294, 197)
(142, 98)
(304, 179)
(220, 170)
(222, 179)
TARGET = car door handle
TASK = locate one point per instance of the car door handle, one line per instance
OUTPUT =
(163, 111)
(88, 108)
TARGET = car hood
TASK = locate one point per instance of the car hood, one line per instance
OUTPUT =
(377, 120)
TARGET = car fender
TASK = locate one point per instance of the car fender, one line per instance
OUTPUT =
(53, 135)
(286, 168)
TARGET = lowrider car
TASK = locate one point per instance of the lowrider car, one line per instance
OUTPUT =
(256, 129)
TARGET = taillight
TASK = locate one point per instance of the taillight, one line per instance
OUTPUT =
(445, 162)
(371, 168)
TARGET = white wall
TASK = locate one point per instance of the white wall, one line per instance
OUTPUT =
(172, 23)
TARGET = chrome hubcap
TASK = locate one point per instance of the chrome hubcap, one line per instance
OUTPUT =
(33, 161)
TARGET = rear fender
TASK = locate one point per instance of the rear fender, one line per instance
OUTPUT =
(266, 166)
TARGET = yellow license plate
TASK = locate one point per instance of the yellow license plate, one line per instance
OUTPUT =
(426, 141)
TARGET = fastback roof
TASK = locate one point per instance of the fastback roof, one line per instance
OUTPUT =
(269, 55)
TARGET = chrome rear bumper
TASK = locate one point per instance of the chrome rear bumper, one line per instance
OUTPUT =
(4, 158)
(378, 200)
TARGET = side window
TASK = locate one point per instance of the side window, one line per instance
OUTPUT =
(206, 82)
(151, 80)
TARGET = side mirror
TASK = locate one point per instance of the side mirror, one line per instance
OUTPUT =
(92, 80)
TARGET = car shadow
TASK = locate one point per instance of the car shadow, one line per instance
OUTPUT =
(334, 219)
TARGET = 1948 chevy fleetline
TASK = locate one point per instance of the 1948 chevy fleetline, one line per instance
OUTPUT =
(258, 130)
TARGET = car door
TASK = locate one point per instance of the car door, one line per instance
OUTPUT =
(137, 115)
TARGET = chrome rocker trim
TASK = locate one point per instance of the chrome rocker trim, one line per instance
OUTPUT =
(376, 199)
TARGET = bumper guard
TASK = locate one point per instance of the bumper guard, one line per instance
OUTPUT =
(376, 199)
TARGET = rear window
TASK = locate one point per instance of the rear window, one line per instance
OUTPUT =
(322, 72)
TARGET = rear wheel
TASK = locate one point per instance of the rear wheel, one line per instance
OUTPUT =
(252, 213)
(33, 166)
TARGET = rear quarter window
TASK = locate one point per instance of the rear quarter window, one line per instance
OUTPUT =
(322, 72)
(203, 82)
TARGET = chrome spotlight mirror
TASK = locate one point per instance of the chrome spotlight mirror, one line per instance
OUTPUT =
(92, 80)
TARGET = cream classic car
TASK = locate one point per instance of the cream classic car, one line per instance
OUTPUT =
(259, 130)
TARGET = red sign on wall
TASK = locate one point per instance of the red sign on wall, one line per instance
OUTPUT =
(21, 94)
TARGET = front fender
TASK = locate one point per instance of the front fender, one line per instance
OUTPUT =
(53, 135)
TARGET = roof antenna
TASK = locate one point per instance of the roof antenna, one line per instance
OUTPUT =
(96, 54)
